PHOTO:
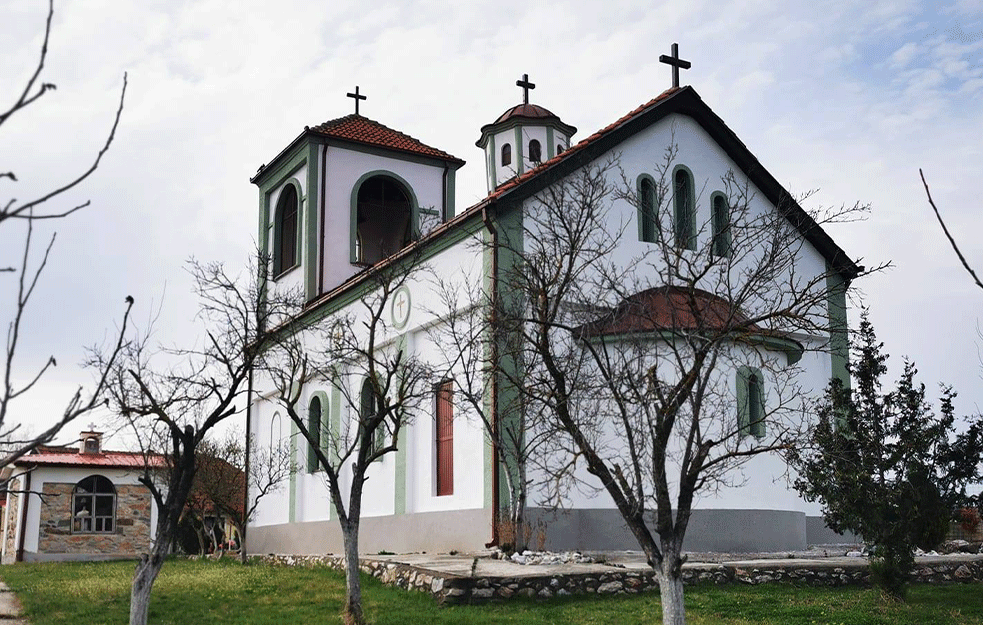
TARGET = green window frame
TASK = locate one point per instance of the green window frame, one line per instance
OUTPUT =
(286, 229)
(648, 216)
(314, 428)
(369, 406)
(720, 212)
(751, 402)
(684, 208)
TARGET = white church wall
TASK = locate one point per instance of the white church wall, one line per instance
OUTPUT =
(344, 168)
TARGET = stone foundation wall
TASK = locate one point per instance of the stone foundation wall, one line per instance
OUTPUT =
(131, 533)
(447, 588)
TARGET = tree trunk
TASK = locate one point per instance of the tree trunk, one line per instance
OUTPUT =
(670, 579)
(353, 585)
(143, 583)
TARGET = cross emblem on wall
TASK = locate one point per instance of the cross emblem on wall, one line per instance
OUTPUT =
(400, 307)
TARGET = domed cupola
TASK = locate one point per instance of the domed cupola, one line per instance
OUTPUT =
(521, 138)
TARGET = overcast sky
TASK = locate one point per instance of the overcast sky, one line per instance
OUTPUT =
(849, 99)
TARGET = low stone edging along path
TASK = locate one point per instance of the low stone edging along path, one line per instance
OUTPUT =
(460, 579)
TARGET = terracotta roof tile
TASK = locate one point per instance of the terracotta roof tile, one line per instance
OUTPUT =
(364, 130)
(66, 456)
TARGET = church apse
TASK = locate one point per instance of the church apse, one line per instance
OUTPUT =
(384, 219)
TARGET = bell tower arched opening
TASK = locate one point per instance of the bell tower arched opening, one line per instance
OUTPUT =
(384, 219)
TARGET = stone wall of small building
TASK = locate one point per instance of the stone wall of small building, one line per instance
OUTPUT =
(131, 533)
(12, 519)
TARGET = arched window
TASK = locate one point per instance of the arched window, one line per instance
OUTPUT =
(92, 445)
(750, 402)
(684, 217)
(535, 151)
(506, 154)
(285, 230)
(314, 429)
(647, 214)
(369, 405)
(721, 225)
(559, 148)
(94, 506)
(384, 219)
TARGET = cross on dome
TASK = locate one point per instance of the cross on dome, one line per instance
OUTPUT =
(676, 63)
(356, 96)
(526, 86)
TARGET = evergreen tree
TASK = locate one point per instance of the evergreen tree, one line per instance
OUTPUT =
(884, 465)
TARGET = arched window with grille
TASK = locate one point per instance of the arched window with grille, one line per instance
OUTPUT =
(648, 225)
(314, 429)
(506, 155)
(721, 224)
(750, 402)
(285, 233)
(94, 506)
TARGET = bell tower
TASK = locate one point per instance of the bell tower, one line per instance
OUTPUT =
(521, 138)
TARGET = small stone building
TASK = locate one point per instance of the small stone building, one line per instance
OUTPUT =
(85, 503)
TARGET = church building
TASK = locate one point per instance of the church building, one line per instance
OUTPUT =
(351, 193)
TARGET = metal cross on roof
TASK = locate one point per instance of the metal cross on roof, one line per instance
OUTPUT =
(526, 86)
(357, 97)
(676, 63)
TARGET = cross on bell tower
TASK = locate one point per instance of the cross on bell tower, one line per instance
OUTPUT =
(356, 96)
(526, 86)
(676, 63)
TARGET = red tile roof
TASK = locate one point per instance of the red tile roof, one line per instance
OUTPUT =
(670, 308)
(364, 130)
(70, 457)
(514, 182)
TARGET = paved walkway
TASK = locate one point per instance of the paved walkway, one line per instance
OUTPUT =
(9, 607)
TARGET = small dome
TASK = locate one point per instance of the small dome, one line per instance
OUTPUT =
(530, 111)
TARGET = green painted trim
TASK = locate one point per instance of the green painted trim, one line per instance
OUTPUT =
(492, 164)
(298, 250)
(839, 341)
(311, 222)
(335, 440)
(272, 177)
(519, 152)
(716, 227)
(449, 191)
(640, 216)
(550, 148)
(561, 128)
(691, 243)
(310, 457)
(353, 215)
(325, 434)
(399, 476)
(294, 433)
(487, 263)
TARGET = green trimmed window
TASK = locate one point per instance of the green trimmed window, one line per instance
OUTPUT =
(535, 151)
(750, 402)
(721, 225)
(648, 224)
(369, 407)
(506, 154)
(314, 427)
(285, 230)
(684, 209)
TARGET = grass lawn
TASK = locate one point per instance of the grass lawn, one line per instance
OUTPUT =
(226, 592)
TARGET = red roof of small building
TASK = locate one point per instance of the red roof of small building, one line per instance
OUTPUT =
(50, 455)
(670, 308)
(364, 130)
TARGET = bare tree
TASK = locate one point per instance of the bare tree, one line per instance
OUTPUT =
(948, 235)
(358, 352)
(627, 367)
(173, 398)
(14, 440)
(221, 481)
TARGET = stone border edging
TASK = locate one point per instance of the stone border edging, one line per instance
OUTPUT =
(448, 588)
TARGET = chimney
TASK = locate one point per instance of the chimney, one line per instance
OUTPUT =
(91, 442)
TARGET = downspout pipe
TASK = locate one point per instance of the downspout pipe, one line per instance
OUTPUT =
(496, 508)
(246, 462)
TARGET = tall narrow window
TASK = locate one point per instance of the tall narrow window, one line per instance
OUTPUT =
(369, 405)
(750, 402)
(94, 506)
(721, 225)
(648, 228)
(559, 148)
(445, 438)
(314, 429)
(685, 210)
(506, 154)
(535, 151)
(285, 230)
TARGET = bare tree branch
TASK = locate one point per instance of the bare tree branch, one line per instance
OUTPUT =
(945, 229)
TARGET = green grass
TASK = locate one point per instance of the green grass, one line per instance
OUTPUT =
(226, 592)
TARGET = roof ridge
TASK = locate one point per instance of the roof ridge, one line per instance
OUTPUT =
(362, 129)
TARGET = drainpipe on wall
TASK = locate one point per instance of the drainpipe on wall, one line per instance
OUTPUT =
(245, 485)
(320, 242)
(26, 499)
(494, 381)
(443, 195)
